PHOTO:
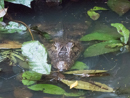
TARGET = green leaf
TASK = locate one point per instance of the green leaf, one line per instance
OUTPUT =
(79, 65)
(119, 6)
(93, 86)
(51, 89)
(37, 56)
(93, 15)
(1, 4)
(0, 69)
(113, 45)
(96, 8)
(14, 27)
(30, 77)
(123, 31)
(23, 2)
(1, 19)
(99, 36)
(100, 48)
(85, 71)
(28, 82)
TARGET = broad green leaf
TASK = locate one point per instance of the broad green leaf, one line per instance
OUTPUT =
(79, 65)
(113, 45)
(123, 31)
(23, 2)
(85, 71)
(37, 56)
(1, 4)
(30, 77)
(93, 86)
(93, 15)
(100, 48)
(1, 19)
(51, 89)
(0, 69)
(119, 6)
(14, 27)
(97, 35)
(96, 8)
(28, 82)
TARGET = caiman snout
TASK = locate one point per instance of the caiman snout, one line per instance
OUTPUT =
(63, 54)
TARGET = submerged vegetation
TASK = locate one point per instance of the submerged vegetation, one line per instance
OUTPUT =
(107, 39)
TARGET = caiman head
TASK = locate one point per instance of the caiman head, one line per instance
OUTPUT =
(63, 54)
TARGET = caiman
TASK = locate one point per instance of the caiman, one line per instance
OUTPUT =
(64, 51)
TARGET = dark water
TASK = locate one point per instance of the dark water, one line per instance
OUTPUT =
(73, 13)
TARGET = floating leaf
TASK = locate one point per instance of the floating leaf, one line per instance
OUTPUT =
(37, 56)
(119, 6)
(51, 89)
(93, 15)
(99, 36)
(3, 12)
(1, 4)
(113, 45)
(74, 84)
(85, 71)
(96, 8)
(30, 77)
(14, 27)
(10, 45)
(93, 86)
(23, 2)
(79, 65)
(123, 31)
(100, 48)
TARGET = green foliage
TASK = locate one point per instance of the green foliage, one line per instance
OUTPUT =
(1, 4)
(1, 19)
(51, 89)
(15, 27)
(96, 8)
(119, 6)
(97, 35)
(100, 48)
(123, 31)
(79, 65)
(12, 27)
(93, 15)
(23, 2)
(37, 56)
(30, 78)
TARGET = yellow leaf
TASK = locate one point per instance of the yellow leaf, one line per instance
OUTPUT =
(10, 45)
(93, 86)
(74, 84)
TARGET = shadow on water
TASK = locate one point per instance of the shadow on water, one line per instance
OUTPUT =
(70, 14)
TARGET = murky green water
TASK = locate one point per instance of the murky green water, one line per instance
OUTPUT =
(71, 14)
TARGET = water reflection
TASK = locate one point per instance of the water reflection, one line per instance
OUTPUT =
(73, 14)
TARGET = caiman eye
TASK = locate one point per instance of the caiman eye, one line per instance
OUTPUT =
(57, 45)
(70, 44)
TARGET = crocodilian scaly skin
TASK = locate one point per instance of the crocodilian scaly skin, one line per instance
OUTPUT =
(63, 54)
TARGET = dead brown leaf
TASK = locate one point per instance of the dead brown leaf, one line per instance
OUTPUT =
(10, 45)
